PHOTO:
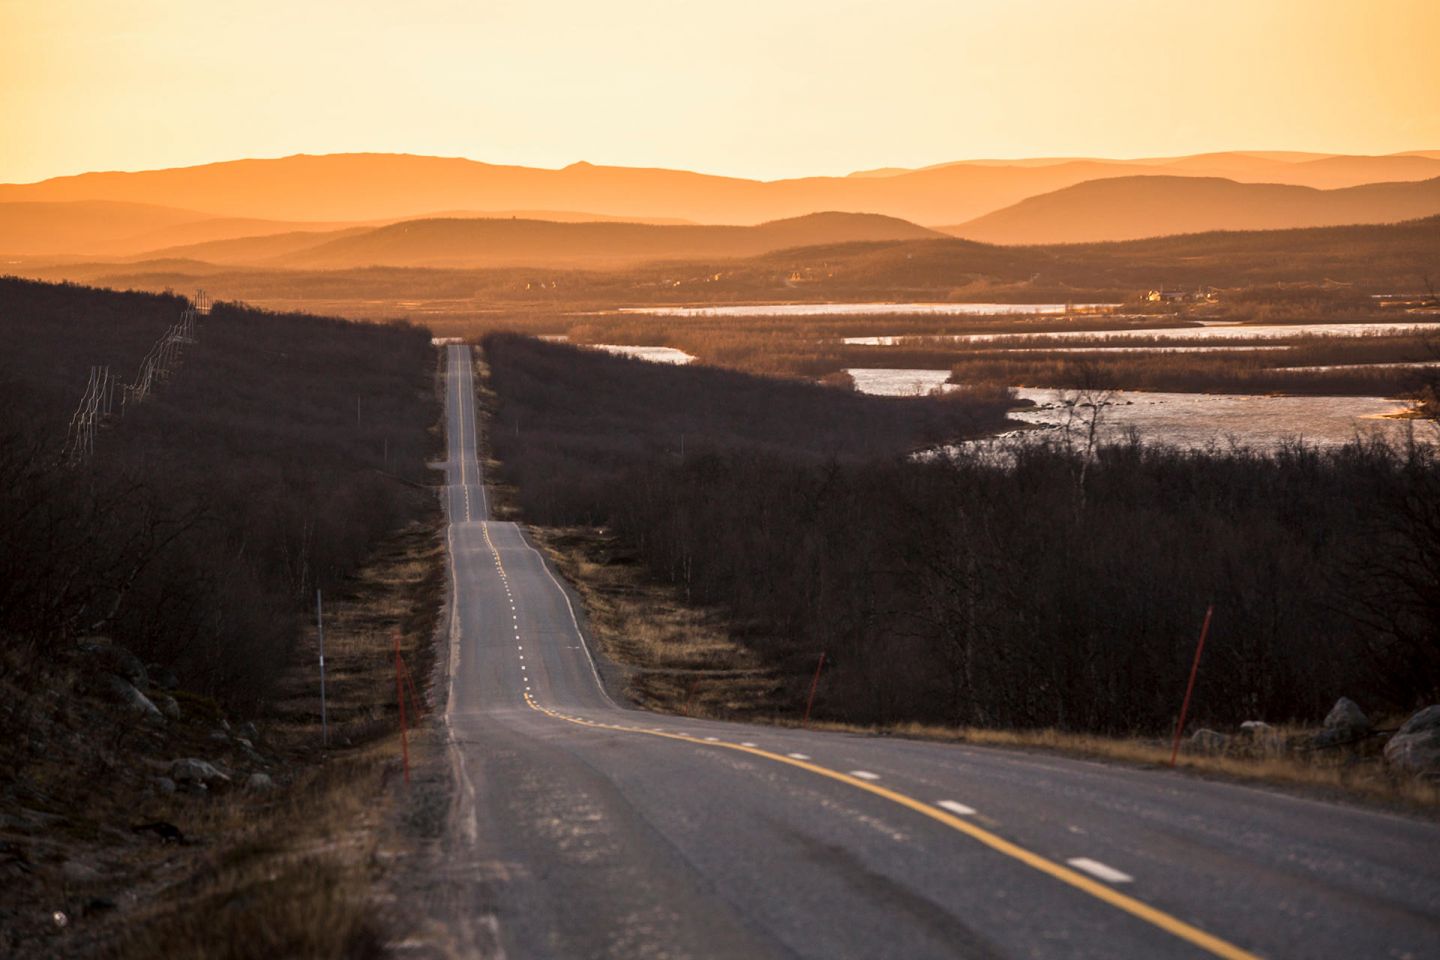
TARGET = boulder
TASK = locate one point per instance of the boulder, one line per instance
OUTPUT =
(167, 705)
(1415, 747)
(132, 699)
(190, 771)
(112, 658)
(162, 785)
(1261, 734)
(77, 871)
(219, 736)
(248, 731)
(259, 783)
(1346, 721)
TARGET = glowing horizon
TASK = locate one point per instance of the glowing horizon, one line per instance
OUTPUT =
(769, 91)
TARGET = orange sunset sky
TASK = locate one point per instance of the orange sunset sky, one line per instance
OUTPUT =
(759, 88)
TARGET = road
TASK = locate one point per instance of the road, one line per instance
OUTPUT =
(604, 831)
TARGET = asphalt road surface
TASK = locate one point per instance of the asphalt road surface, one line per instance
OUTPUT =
(606, 831)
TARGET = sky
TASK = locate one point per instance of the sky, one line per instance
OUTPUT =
(756, 88)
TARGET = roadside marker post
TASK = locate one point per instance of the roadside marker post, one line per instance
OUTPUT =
(1190, 687)
(320, 632)
(810, 701)
(400, 699)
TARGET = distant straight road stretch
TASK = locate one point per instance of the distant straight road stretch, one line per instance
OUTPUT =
(605, 831)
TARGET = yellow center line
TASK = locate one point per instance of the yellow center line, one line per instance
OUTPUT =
(1143, 911)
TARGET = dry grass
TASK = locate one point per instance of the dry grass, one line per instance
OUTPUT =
(290, 879)
(1279, 758)
(287, 872)
(679, 659)
(683, 661)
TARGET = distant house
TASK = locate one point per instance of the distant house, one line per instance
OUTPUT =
(1201, 295)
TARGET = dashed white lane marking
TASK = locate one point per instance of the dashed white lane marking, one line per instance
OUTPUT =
(955, 807)
(712, 739)
(864, 775)
(798, 756)
(747, 743)
(1097, 869)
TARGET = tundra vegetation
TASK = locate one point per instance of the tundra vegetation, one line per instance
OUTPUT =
(160, 722)
(196, 535)
(1041, 585)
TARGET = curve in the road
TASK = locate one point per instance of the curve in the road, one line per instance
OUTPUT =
(608, 832)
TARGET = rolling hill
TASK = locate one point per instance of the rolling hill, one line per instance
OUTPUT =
(1365, 259)
(119, 228)
(385, 187)
(515, 242)
(83, 226)
(1125, 208)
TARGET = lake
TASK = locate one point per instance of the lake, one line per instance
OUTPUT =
(872, 309)
(1194, 420)
(653, 354)
(1209, 332)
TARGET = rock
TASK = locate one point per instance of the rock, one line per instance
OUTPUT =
(1347, 720)
(190, 771)
(113, 658)
(259, 783)
(132, 699)
(1255, 728)
(219, 736)
(77, 872)
(167, 705)
(162, 785)
(245, 745)
(247, 731)
(1416, 745)
(1207, 741)
(162, 676)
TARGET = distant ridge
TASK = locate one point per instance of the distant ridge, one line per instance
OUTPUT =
(350, 188)
(497, 242)
(1127, 208)
(1367, 258)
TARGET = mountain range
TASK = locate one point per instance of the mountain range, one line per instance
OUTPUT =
(1128, 208)
(346, 210)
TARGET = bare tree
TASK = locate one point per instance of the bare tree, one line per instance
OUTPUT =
(1085, 406)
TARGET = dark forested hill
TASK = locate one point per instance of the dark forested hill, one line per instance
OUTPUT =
(266, 465)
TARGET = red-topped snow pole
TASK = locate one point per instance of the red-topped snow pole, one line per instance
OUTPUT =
(1190, 687)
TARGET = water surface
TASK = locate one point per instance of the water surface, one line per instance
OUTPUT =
(653, 354)
(1192, 420)
(872, 309)
(1209, 332)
